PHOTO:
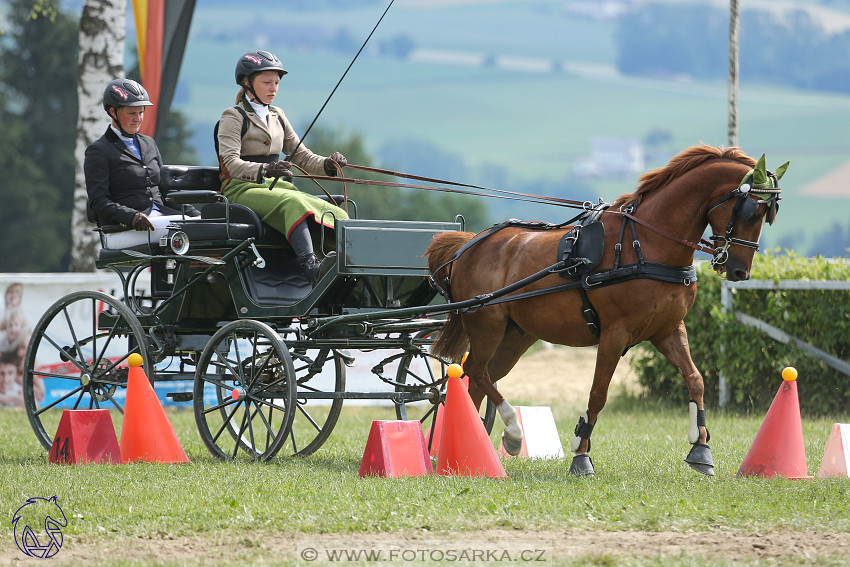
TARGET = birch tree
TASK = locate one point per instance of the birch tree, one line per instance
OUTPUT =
(102, 34)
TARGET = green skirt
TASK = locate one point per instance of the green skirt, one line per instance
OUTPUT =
(284, 206)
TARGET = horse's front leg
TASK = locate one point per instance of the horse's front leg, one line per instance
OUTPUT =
(607, 357)
(675, 347)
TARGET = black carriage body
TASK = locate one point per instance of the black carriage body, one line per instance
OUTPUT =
(379, 267)
(230, 311)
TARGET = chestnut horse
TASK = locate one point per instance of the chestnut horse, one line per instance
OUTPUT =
(667, 214)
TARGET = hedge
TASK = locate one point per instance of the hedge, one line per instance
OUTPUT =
(751, 361)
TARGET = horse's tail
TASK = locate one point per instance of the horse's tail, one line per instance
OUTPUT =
(452, 341)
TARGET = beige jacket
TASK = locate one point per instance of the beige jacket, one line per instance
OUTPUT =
(260, 139)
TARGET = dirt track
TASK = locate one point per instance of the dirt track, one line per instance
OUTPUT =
(484, 547)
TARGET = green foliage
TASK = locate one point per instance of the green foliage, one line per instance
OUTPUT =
(174, 135)
(173, 140)
(670, 39)
(38, 107)
(376, 202)
(751, 361)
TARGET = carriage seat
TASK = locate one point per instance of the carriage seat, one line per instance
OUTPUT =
(185, 184)
(194, 177)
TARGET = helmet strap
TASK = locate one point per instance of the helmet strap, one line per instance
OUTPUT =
(250, 88)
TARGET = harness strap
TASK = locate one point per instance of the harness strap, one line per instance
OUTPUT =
(590, 314)
(534, 225)
(698, 247)
(652, 270)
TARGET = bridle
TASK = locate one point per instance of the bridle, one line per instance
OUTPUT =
(744, 209)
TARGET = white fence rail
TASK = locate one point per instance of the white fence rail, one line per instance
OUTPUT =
(726, 299)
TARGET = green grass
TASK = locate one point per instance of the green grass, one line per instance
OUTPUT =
(641, 484)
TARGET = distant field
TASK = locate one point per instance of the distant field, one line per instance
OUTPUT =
(531, 123)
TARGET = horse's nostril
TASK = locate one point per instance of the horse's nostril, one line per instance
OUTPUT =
(742, 275)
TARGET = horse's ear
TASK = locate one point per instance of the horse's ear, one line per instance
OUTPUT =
(780, 171)
(760, 178)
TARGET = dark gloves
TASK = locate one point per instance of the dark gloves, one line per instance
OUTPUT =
(279, 169)
(141, 222)
(336, 158)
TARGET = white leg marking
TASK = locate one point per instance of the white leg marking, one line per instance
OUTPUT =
(693, 428)
(510, 419)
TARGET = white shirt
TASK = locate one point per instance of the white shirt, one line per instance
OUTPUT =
(261, 109)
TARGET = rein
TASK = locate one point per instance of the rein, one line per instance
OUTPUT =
(702, 246)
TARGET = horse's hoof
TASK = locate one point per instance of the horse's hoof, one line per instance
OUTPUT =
(699, 459)
(512, 446)
(582, 465)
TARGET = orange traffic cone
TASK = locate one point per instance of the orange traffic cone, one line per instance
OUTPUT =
(147, 434)
(465, 447)
(778, 448)
(836, 456)
(395, 448)
(434, 432)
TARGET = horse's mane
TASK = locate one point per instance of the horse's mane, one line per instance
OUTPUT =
(682, 163)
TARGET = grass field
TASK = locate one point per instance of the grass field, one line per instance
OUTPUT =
(211, 512)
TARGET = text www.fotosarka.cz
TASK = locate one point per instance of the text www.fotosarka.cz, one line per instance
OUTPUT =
(419, 551)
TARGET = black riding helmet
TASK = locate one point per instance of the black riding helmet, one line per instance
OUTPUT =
(255, 62)
(124, 92)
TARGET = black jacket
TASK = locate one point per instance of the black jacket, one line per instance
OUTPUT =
(119, 184)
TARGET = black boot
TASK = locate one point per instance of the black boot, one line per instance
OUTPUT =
(314, 269)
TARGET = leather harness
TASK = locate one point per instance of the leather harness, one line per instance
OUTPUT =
(579, 251)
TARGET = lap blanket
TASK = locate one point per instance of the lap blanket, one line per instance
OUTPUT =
(284, 206)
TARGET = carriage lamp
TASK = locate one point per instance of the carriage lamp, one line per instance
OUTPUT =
(179, 243)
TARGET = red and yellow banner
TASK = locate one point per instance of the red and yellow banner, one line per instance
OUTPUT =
(150, 27)
(162, 28)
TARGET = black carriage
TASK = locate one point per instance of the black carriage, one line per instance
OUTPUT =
(231, 325)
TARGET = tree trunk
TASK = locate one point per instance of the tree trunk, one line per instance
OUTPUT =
(102, 33)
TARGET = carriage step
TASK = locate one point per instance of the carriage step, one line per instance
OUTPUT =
(180, 396)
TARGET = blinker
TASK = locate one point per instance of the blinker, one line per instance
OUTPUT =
(747, 208)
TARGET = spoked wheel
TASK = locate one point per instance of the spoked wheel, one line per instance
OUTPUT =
(77, 359)
(422, 373)
(320, 374)
(244, 393)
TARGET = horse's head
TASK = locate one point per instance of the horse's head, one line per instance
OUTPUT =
(743, 211)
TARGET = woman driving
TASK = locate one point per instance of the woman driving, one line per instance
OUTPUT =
(251, 138)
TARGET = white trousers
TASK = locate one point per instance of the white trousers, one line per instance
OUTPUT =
(130, 238)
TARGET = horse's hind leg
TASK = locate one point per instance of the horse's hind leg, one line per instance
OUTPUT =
(486, 343)
(675, 347)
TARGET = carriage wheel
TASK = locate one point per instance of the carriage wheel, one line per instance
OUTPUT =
(77, 359)
(243, 393)
(421, 368)
(316, 409)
